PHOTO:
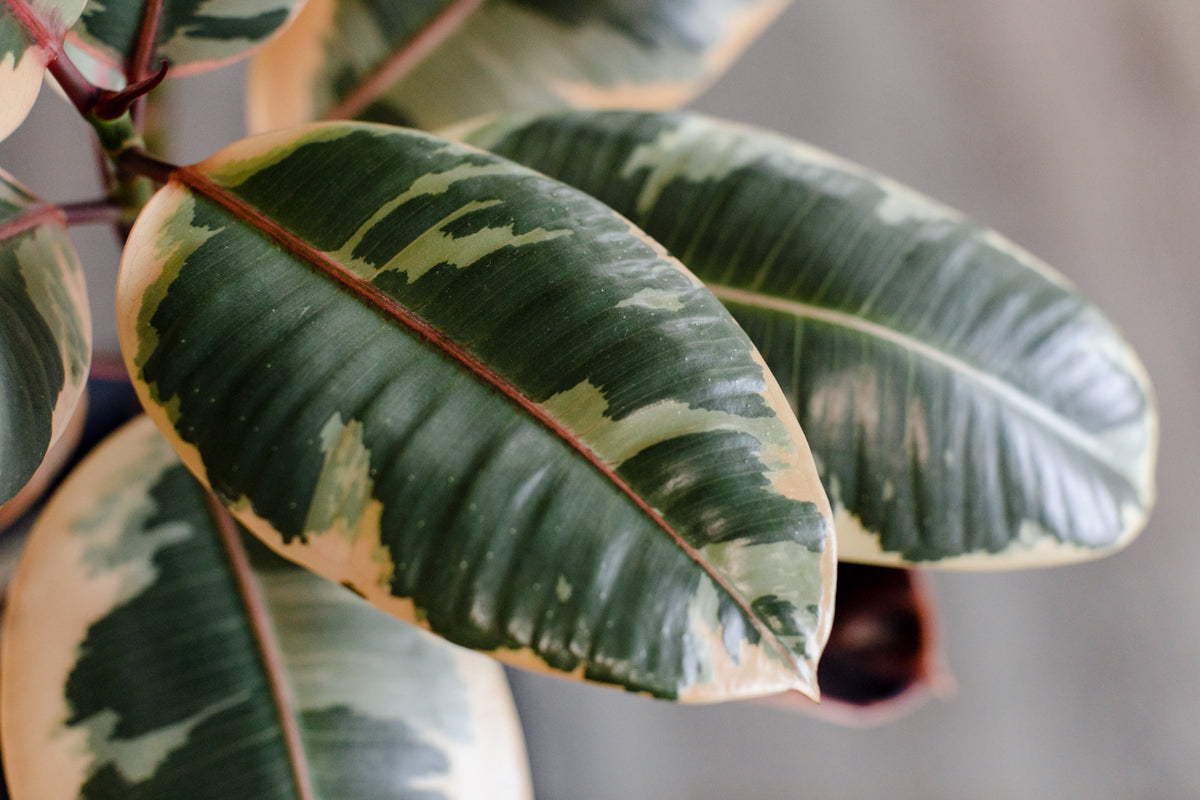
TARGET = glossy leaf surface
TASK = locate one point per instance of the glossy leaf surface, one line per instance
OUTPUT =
(487, 402)
(45, 333)
(192, 35)
(432, 62)
(31, 32)
(964, 404)
(152, 651)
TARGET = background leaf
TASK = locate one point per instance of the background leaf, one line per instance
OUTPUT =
(192, 35)
(30, 33)
(343, 58)
(45, 333)
(487, 402)
(134, 662)
(960, 398)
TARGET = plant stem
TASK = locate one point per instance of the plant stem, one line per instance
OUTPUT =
(79, 90)
(92, 212)
(134, 160)
(137, 68)
(136, 173)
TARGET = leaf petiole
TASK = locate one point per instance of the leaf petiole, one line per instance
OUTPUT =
(93, 212)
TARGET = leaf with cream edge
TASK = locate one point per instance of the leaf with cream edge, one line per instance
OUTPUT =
(434, 62)
(485, 401)
(152, 650)
(45, 332)
(965, 406)
(31, 34)
(192, 35)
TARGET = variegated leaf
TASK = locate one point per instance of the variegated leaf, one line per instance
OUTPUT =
(192, 35)
(488, 403)
(433, 62)
(964, 404)
(152, 651)
(25, 501)
(31, 33)
(45, 332)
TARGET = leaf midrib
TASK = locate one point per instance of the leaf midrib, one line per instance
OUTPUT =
(400, 62)
(268, 647)
(35, 26)
(1029, 405)
(31, 217)
(379, 301)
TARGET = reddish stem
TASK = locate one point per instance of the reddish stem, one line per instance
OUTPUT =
(78, 89)
(137, 67)
(136, 161)
(92, 212)
(112, 105)
(81, 92)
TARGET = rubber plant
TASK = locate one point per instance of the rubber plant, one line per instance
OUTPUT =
(535, 381)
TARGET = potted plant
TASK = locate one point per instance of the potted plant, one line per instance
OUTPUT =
(601, 392)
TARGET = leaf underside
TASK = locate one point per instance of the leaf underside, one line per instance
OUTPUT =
(374, 60)
(485, 401)
(45, 339)
(131, 638)
(964, 405)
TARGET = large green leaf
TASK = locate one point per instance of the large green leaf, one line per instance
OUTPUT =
(484, 400)
(152, 651)
(193, 35)
(45, 332)
(964, 404)
(433, 62)
(31, 34)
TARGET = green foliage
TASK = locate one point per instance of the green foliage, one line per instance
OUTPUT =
(157, 651)
(45, 336)
(365, 384)
(882, 312)
(491, 405)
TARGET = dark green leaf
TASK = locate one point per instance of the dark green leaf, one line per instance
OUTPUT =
(488, 403)
(151, 651)
(192, 35)
(45, 334)
(964, 404)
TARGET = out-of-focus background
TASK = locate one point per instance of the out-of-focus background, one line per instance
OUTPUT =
(1073, 127)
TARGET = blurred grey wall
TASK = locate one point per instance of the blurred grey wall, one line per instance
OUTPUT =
(1071, 126)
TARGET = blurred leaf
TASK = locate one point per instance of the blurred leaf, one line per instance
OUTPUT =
(965, 406)
(31, 33)
(192, 35)
(485, 401)
(45, 332)
(26, 500)
(152, 651)
(431, 62)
